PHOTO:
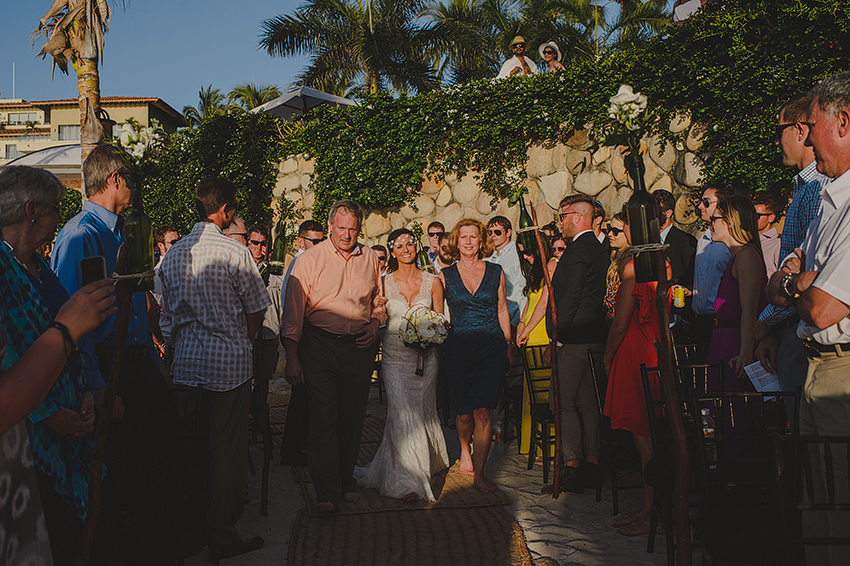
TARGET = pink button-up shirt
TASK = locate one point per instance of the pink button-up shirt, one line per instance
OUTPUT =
(331, 292)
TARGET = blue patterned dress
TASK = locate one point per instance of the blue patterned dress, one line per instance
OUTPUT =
(475, 353)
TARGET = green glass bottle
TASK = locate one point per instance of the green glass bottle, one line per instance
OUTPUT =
(140, 256)
(277, 259)
(525, 232)
(643, 222)
(424, 260)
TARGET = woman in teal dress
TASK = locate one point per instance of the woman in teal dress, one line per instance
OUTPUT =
(478, 352)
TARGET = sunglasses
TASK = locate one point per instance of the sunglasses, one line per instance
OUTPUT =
(515, 45)
(781, 128)
(707, 202)
(548, 52)
(264, 243)
(434, 234)
(560, 248)
(382, 258)
(495, 232)
(527, 253)
(615, 231)
(314, 240)
(172, 242)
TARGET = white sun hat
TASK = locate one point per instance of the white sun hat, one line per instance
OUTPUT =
(554, 46)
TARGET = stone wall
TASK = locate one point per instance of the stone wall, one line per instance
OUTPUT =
(553, 173)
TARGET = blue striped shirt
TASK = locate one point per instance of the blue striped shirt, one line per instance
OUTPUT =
(805, 205)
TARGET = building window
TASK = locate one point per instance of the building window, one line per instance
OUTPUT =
(21, 118)
(12, 151)
(69, 133)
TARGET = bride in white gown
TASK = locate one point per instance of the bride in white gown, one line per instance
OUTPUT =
(413, 448)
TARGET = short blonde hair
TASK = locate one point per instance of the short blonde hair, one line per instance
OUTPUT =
(487, 245)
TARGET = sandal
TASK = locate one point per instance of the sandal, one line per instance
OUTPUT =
(636, 529)
(627, 520)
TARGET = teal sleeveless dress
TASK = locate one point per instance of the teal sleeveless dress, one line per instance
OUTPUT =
(475, 352)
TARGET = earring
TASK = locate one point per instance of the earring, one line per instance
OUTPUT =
(33, 221)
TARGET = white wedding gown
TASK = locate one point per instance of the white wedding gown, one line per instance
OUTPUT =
(413, 448)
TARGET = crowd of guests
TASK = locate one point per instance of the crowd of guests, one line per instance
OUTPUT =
(176, 458)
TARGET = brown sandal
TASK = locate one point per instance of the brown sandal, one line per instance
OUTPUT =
(627, 520)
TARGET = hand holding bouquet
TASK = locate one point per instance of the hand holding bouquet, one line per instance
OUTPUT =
(420, 329)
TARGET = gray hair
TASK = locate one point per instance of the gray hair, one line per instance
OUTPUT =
(100, 163)
(833, 94)
(352, 207)
(20, 184)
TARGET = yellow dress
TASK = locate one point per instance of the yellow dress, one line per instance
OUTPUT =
(538, 337)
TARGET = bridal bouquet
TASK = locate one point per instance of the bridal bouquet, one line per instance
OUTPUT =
(420, 329)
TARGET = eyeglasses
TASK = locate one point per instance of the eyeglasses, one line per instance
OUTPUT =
(495, 232)
(434, 234)
(314, 240)
(707, 202)
(713, 218)
(615, 231)
(781, 128)
(263, 243)
(565, 214)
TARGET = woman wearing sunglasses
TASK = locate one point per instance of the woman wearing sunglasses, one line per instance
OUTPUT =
(741, 295)
(551, 56)
(619, 247)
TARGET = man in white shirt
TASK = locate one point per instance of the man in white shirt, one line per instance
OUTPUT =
(815, 283)
(520, 63)
(217, 299)
(505, 254)
(768, 209)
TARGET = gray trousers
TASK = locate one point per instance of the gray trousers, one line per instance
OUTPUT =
(337, 374)
(579, 437)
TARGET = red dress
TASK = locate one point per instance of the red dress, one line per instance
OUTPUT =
(624, 400)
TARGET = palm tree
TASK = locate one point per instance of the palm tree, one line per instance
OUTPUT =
(374, 44)
(210, 103)
(75, 33)
(247, 96)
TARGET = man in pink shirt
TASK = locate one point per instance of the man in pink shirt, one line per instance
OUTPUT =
(768, 210)
(333, 308)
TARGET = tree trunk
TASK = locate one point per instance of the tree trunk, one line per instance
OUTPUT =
(88, 85)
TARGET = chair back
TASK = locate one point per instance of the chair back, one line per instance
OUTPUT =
(696, 378)
(600, 378)
(799, 462)
(686, 354)
(538, 374)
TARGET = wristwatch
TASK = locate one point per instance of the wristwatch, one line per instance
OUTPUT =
(786, 285)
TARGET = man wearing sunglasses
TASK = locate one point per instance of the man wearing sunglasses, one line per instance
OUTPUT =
(435, 231)
(293, 447)
(505, 254)
(520, 63)
(778, 347)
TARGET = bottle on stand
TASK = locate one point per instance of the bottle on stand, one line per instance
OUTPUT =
(643, 221)
(708, 430)
(277, 259)
(526, 238)
(140, 256)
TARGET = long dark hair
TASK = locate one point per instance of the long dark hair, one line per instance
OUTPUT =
(533, 272)
(392, 262)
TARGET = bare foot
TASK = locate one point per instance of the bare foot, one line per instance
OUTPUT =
(325, 506)
(484, 485)
(411, 497)
(466, 464)
(351, 497)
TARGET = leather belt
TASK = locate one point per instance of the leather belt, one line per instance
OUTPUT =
(816, 349)
(331, 335)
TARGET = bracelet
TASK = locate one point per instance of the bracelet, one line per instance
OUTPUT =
(66, 335)
(786, 282)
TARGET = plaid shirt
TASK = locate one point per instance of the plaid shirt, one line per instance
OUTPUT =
(209, 284)
(805, 205)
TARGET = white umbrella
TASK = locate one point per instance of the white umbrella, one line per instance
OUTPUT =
(299, 101)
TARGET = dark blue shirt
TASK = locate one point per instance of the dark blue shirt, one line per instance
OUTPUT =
(97, 231)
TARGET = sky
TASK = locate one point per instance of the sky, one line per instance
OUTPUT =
(163, 48)
(168, 49)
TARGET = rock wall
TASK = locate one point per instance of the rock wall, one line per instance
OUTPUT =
(567, 168)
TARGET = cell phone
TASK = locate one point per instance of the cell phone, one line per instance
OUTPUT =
(92, 269)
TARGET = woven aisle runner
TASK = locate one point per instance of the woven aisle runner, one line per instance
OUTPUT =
(464, 527)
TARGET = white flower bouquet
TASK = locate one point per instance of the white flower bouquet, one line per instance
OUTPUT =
(420, 329)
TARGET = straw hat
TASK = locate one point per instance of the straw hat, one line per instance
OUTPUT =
(518, 39)
(554, 46)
